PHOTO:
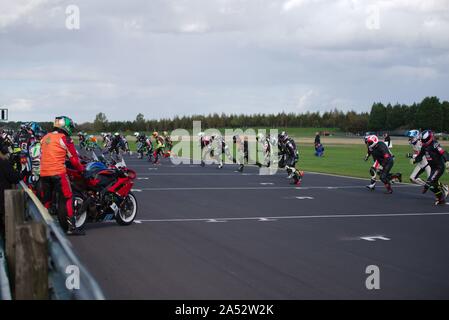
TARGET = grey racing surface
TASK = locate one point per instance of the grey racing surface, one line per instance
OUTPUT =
(208, 233)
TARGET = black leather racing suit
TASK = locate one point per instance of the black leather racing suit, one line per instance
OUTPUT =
(436, 157)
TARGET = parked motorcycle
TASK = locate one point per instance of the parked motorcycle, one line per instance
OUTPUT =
(103, 193)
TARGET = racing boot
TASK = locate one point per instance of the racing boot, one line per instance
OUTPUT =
(240, 169)
(389, 189)
(396, 178)
(372, 185)
(440, 199)
(445, 189)
(72, 229)
(290, 173)
(220, 165)
(297, 178)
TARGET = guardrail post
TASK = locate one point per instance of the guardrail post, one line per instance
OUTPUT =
(31, 276)
(14, 216)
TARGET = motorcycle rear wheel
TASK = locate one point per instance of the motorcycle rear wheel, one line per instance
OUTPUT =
(81, 217)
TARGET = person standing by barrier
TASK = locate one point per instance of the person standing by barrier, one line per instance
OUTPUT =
(8, 177)
(56, 147)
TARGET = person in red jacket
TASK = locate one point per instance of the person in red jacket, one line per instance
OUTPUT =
(56, 147)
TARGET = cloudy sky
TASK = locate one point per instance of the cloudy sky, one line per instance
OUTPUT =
(173, 57)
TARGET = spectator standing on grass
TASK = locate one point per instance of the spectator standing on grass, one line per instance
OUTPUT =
(317, 139)
(8, 177)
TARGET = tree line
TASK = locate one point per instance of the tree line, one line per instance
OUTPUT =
(430, 113)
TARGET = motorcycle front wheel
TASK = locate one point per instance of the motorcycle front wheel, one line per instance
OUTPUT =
(128, 211)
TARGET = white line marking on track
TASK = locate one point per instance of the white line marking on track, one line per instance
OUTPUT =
(198, 174)
(136, 190)
(215, 220)
(258, 188)
(143, 178)
(137, 221)
(266, 220)
(374, 238)
(267, 183)
(324, 216)
(305, 198)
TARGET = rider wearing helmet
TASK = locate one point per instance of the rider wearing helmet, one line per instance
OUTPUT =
(55, 148)
(289, 156)
(205, 145)
(221, 147)
(438, 159)
(159, 146)
(168, 144)
(35, 156)
(382, 157)
(24, 136)
(266, 143)
(115, 143)
(82, 137)
(140, 144)
(423, 165)
(240, 151)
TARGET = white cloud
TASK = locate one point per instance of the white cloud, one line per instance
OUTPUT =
(246, 56)
(20, 105)
(292, 4)
(196, 27)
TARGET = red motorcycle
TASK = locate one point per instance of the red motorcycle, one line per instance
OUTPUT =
(103, 194)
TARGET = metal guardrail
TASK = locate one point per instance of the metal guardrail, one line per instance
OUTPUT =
(61, 256)
(5, 288)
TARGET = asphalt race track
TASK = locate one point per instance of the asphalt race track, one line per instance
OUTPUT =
(204, 233)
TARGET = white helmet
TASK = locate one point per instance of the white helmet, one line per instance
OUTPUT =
(116, 134)
(136, 134)
(201, 134)
(260, 136)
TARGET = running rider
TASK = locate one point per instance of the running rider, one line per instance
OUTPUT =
(221, 148)
(159, 147)
(438, 160)
(382, 157)
(206, 146)
(168, 144)
(141, 144)
(421, 167)
(289, 156)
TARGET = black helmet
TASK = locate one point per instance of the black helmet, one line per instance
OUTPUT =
(427, 137)
(283, 136)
